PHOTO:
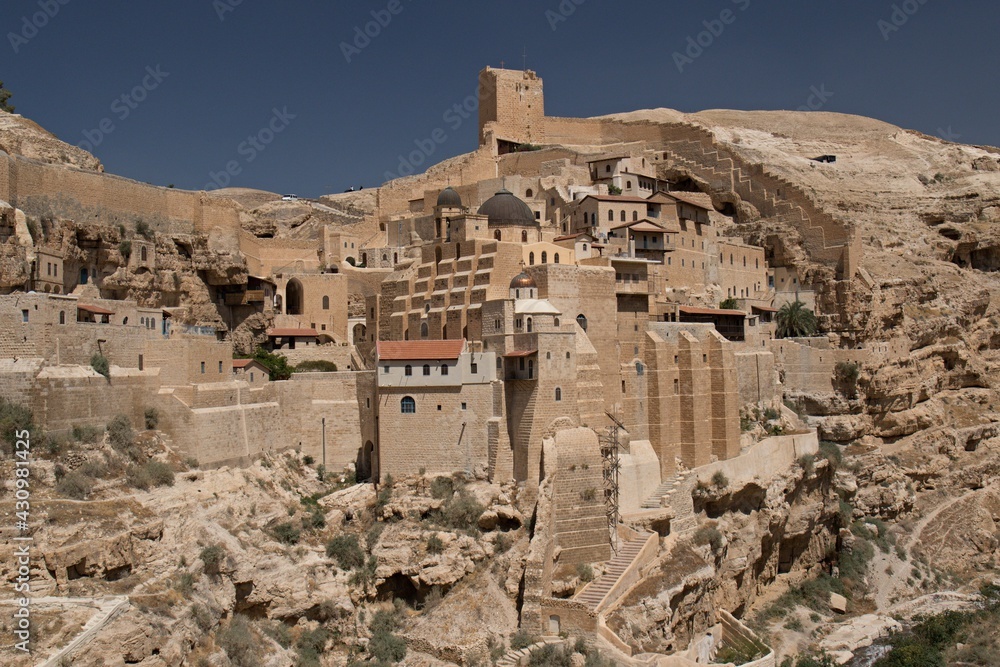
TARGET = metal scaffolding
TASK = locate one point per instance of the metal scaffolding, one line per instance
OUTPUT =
(611, 455)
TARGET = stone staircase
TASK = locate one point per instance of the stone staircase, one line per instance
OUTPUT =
(107, 611)
(517, 657)
(655, 500)
(596, 592)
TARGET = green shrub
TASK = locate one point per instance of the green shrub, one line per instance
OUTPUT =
(202, 617)
(434, 544)
(442, 487)
(719, 480)
(311, 645)
(125, 248)
(614, 190)
(286, 533)
(585, 572)
(239, 643)
(522, 639)
(316, 367)
(160, 473)
(87, 435)
(13, 419)
(808, 463)
(346, 551)
(550, 656)
(315, 520)
(142, 229)
(279, 632)
(462, 511)
(770, 414)
(831, 452)
(212, 557)
(152, 418)
(276, 364)
(308, 460)
(709, 535)
(100, 365)
(729, 303)
(138, 477)
(121, 436)
(384, 646)
(75, 485)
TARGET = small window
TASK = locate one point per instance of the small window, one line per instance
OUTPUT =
(439, 408)
(465, 406)
(623, 215)
(473, 368)
(24, 315)
(611, 216)
(251, 376)
(531, 259)
(141, 364)
(582, 321)
(408, 371)
(556, 258)
(368, 402)
(558, 394)
(677, 386)
(62, 317)
(444, 369)
(408, 406)
(385, 369)
(427, 369)
(203, 368)
(326, 303)
(567, 355)
(545, 257)
(220, 366)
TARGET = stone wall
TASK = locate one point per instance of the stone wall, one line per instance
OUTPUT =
(581, 527)
(807, 365)
(41, 189)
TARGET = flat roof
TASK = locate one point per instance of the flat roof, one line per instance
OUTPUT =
(616, 198)
(420, 349)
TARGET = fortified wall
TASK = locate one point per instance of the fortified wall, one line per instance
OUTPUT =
(41, 189)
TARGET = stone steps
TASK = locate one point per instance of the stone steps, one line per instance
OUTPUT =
(595, 592)
(655, 500)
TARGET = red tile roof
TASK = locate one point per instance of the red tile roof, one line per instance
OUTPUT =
(698, 199)
(292, 333)
(644, 225)
(96, 310)
(694, 310)
(420, 349)
(243, 363)
(521, 353)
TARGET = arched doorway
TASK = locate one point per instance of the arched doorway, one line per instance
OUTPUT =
(366, 466)
(294, 297)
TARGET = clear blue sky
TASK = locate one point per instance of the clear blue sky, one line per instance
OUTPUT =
(224, 77)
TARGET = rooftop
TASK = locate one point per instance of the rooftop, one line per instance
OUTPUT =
(420, 349)
(292, 333)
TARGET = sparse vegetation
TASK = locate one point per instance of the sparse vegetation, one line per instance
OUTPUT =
(709, 535)
(152, 418)
(125, 248)
(719, 480)
(14, 418)
(75, 485)
(729, 303)
(287, 533)
(212, 558)
(585, 572)
(276, 364)
(5, 95)
(143, 229)
(121, 437)
(87, 435)
(100, 365)
(240, 643)
(316, 367)
(434, 544)
(522, 639)
(346, 551)
(614, 190)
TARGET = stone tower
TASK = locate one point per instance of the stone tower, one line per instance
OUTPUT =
(511, 108)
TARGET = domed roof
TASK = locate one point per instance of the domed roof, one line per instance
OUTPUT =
(523, 281)
(449, 198)
(504, 209)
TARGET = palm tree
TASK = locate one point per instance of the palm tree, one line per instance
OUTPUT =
(795, 320)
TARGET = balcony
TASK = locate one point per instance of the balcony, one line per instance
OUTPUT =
(245, 298)
(632, 287)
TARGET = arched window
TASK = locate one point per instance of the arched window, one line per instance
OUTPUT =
(326, 303)
(531, 259)
(528, 193)
(628, 185)
(364, 259)
(524, 236)
(423, 329)
(62, 317)
(581, 319)
(635, 216)
(611, 216)
(294, 297)
(408, 406)
(556, 258)
(593, 219)
(623, 215)
(545, 257)
(529, 325)
(408, 371)
(567, 355)
(444, 369)
(556, 321)
(558, 393)
(496, 235)
(142, 253)
(427, 369)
